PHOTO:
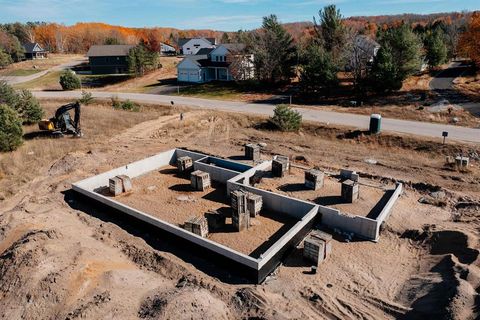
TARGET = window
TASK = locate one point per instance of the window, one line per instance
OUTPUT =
(216, 58)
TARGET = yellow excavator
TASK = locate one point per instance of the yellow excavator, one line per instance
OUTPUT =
(62, 123)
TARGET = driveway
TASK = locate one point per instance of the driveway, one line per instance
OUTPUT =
(431, 130)
(443, 85)
(21, 79)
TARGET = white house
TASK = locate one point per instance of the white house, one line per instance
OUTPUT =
(167, 50)
(190, 46)
(227, 62)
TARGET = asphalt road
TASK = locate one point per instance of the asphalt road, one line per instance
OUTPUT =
(21, 79)
(443, 85)
(425, 129)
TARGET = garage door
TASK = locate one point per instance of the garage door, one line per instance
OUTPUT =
(182, 76)
(193, 76)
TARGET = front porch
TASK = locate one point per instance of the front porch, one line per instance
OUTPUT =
(216, 74)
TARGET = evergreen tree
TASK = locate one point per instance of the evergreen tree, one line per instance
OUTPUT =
(275, 52)
(140, 60)
(332, 33)
(384, 75)
(10, 129)
(406, 49)
(436, 50)
(225, 38)
(317, 69)
(5, 59)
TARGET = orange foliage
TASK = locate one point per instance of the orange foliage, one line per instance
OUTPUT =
(468, 44)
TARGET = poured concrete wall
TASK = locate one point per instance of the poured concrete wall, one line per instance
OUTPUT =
(386, 211)
(185, 153)
(362, 227)
(132, 170)
(217, 174)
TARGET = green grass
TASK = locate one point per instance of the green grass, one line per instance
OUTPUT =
(20, 72)
(102, 80)
(213, 90)
(48, 81)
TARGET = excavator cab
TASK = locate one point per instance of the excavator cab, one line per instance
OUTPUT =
(62, 123)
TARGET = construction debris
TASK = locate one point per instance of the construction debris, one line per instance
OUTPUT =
(317, 246)
(240, 215)
(215, 219)
(119, 184)
(254, 204)
(314, 179)
(280, 165)
(200, 180)
(350, 191)
(252, 151)
(197, 225)
(184, 164)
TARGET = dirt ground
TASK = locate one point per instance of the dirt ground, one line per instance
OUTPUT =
(61, 257)
(292, 185)
(179, 203)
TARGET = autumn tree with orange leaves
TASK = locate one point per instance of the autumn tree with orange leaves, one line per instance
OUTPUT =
(468, 44)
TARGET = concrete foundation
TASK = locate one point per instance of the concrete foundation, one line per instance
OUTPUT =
(350, 191)
(254, 204)
(184, 164)
(252, 151)
(200, 180)
(197, 225)
(314, 179)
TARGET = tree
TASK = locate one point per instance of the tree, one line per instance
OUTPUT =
(10, 129)
(468, 43)
(317, 69)
(275, 52)
(10, 44)
(69, 80)
(286, 119)
(111, 40)
(24, 103)
(140, 60)
(436, 50)
(5, 59)
(225, 38)
(384, 75)
(406, 49)
(331, 33)
(28, 108)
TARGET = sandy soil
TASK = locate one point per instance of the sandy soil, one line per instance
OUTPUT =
(169, 197)
(61, 257)
(329, 195)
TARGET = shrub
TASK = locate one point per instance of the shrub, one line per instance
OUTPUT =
(24, 103)
(286, 119)
(5, 59)
(70, 81)
(125, 105)
(86, 98)
(10, 129)
(28, 108)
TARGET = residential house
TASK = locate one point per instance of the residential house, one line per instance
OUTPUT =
(34, 51)
(227, 62)
(167, 50)
(364, 50)
(109, 59)
(190, 46)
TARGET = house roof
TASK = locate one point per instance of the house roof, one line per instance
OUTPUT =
(204, 51)
(368, 45)
(234, 47)
(116, 50)
(30, 47)
(182, 41)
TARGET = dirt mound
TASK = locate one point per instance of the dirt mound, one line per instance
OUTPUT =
(186, 303)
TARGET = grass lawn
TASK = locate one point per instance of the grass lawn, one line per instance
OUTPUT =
(19, 72)
(225, 91)
(50, 81)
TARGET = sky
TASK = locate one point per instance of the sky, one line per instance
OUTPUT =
(225, 15)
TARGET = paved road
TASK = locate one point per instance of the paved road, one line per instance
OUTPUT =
(21, 79)
(358, 121)
(443, 85)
